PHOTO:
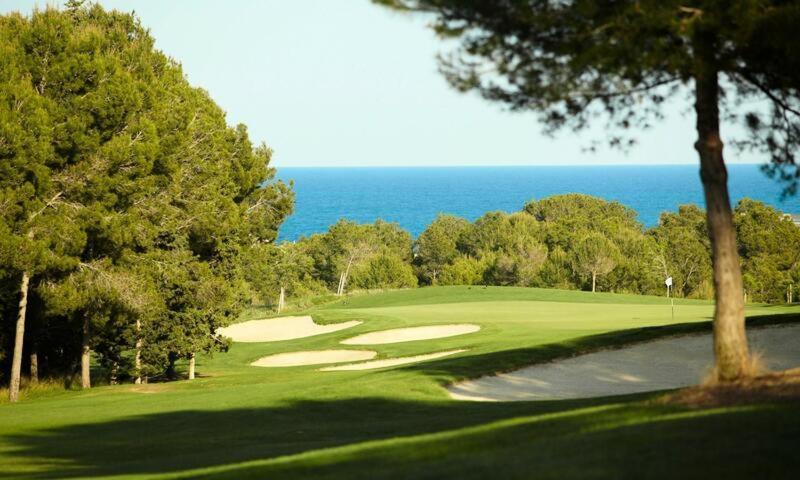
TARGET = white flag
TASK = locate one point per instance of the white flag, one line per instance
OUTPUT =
(668, 281)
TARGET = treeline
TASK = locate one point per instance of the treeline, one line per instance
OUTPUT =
(127, 204)
(347, 257)
(568, 241)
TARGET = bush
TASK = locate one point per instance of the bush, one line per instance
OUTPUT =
(383, 271)
(464, 271)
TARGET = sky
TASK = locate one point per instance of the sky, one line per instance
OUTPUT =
(348, 83)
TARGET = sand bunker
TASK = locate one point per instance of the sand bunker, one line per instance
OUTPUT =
(411, 334)
(390, 362)
(313, 357)
(285, 328)
(662, 364)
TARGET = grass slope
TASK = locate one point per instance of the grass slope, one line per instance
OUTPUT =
(237, 421)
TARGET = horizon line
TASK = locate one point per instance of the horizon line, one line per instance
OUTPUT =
(507, 165)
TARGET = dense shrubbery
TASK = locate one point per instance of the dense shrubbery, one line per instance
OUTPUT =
(567, 241)
(770, 249)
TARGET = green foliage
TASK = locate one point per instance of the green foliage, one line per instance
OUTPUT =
(565, 240)
(566, 218)
(509, 245)
(464, 271)
(123, 191)
(437, 246)
(595, 255)
(383, 270)
(350, 247)
(557, 270)
(268, 268)
(562, 215)
(769, 245)
(682, 250)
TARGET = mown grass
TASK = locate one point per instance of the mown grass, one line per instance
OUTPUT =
(237, 421)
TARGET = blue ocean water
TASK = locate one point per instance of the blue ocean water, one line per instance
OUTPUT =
(413, 196)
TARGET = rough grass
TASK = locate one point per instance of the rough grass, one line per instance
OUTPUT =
(237, 421)
(29, 391)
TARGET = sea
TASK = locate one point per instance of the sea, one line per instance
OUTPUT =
(413, 196)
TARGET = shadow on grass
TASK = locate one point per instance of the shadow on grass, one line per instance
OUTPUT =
(511, 439)
(598, 438)
(478, 365)
(182, 440)
(633, 441)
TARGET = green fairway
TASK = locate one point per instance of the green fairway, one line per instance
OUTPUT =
(237, 421)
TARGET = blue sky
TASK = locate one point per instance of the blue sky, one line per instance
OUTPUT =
(347, 83)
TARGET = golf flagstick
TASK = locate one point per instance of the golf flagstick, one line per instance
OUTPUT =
(668, 283)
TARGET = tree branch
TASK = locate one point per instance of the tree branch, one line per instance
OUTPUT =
(766, 91)
(49, 204)
(629, 91)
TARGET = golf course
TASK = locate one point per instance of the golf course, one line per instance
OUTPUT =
(241, 421)
(399, 239)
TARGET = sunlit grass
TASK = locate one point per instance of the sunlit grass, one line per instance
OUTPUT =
(237, 421)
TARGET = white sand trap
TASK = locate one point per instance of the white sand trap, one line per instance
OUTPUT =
(285, 328)
(313, 357)
(662, 364)
(411, 334)
(390, 362)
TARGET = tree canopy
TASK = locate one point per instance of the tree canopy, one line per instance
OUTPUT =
(573, 60)
(126, 200)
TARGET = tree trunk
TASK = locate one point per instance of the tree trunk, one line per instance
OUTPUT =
(594, 281)
(137, 361)
(86, 381)
(191, 367)
(16, 361)
(345, 275)
(281, 300)
(341, 280)
(34, 366)
(730, 342)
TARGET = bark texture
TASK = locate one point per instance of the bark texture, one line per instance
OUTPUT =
(730, 343)
(16, 359)
(86, 381)
(282, 300)
(137, 362)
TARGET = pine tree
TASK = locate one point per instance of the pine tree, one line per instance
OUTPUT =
(125, 196)
(575, 61)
